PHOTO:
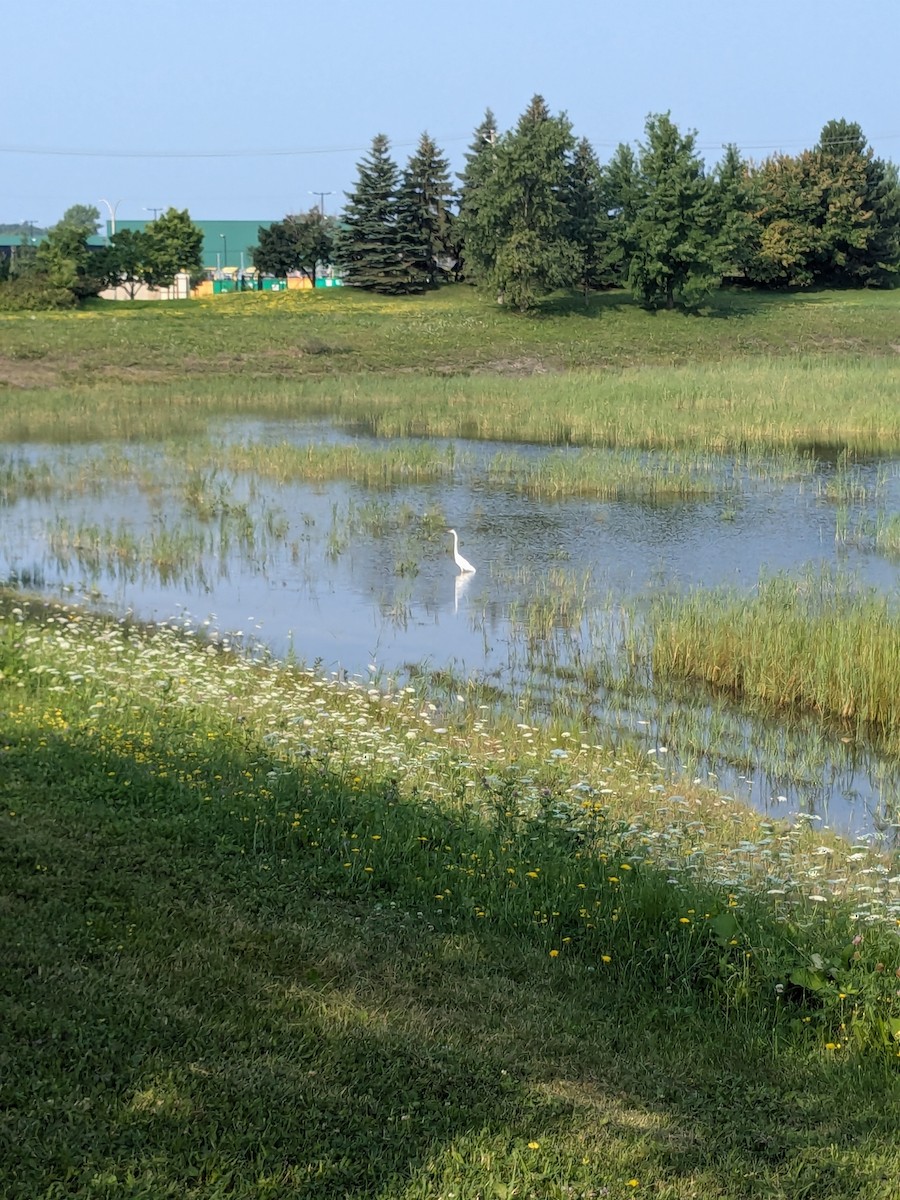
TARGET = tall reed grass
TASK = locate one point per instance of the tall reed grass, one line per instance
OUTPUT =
(736, 406)
(818, 643)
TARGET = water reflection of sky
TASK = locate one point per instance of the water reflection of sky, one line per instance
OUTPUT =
(395, 600)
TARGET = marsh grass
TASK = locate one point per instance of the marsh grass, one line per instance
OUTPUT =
(362, 945)
(609, 475)
(801, 372)
(372, 466)
(819, 643)
(735, 406)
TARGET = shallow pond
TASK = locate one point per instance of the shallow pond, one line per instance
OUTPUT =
(361, 581)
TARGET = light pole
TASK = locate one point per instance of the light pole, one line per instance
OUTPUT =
(152, 210)
(112, 217)
(224, 251)
(321, 196)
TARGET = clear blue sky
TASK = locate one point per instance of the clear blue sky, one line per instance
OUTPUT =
(141, 101)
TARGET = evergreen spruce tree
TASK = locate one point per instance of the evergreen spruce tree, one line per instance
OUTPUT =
(425, 218)
(369, 243)
(621, 200)
(517, 240)
(480, 162)
(735, 202)
(675, 235)
(589, 223)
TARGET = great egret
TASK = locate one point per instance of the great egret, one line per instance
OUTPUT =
(465, 567)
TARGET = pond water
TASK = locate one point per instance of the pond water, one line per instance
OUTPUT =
(362, 583)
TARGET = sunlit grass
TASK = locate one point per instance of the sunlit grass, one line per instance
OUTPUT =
(795, 371)
(269, 905)
(818, 643)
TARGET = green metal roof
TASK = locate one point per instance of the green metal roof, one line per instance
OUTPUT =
(15, 239)
(223, 241)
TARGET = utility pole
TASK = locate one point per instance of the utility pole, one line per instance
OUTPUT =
(152, 210)
(321, 196)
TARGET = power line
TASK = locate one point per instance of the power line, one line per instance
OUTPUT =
(299, 152)
(57, 152)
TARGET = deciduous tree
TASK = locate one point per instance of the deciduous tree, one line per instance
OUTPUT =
(64, 256)
(302, 242)
(126, 262)
(175, 245)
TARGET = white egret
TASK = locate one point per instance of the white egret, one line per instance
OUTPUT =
(465, 567)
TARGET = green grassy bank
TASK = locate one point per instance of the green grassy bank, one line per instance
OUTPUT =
(757, 371)
(265, 935)
(453, 331)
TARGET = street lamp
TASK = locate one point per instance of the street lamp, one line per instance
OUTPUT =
(112, 217)
(224, 251)
(321, 196)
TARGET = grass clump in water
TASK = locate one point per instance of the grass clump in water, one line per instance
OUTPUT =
(820, 643)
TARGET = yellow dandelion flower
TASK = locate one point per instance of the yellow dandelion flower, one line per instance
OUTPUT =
(554, 954)
(534, 1145)
(606, 958)
(684, 920)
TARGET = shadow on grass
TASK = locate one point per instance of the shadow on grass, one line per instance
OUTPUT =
(190, 1015)
(726, 303)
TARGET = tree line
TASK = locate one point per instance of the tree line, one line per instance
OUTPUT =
(63, 269)
(534, 210)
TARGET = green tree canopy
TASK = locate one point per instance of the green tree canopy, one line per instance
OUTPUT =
(368, 244)
(734, 197)
(301, 242)
(861, 221)
(517, 238)
(425, 218)
(676, 250)
(479, 164)
(176, 244)
(64, 256)
(590, 225)
(788, 206)
(620, 188)
(127, 261)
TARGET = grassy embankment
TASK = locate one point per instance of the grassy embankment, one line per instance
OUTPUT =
(759, 371)
(269, 936)
(266, 935)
